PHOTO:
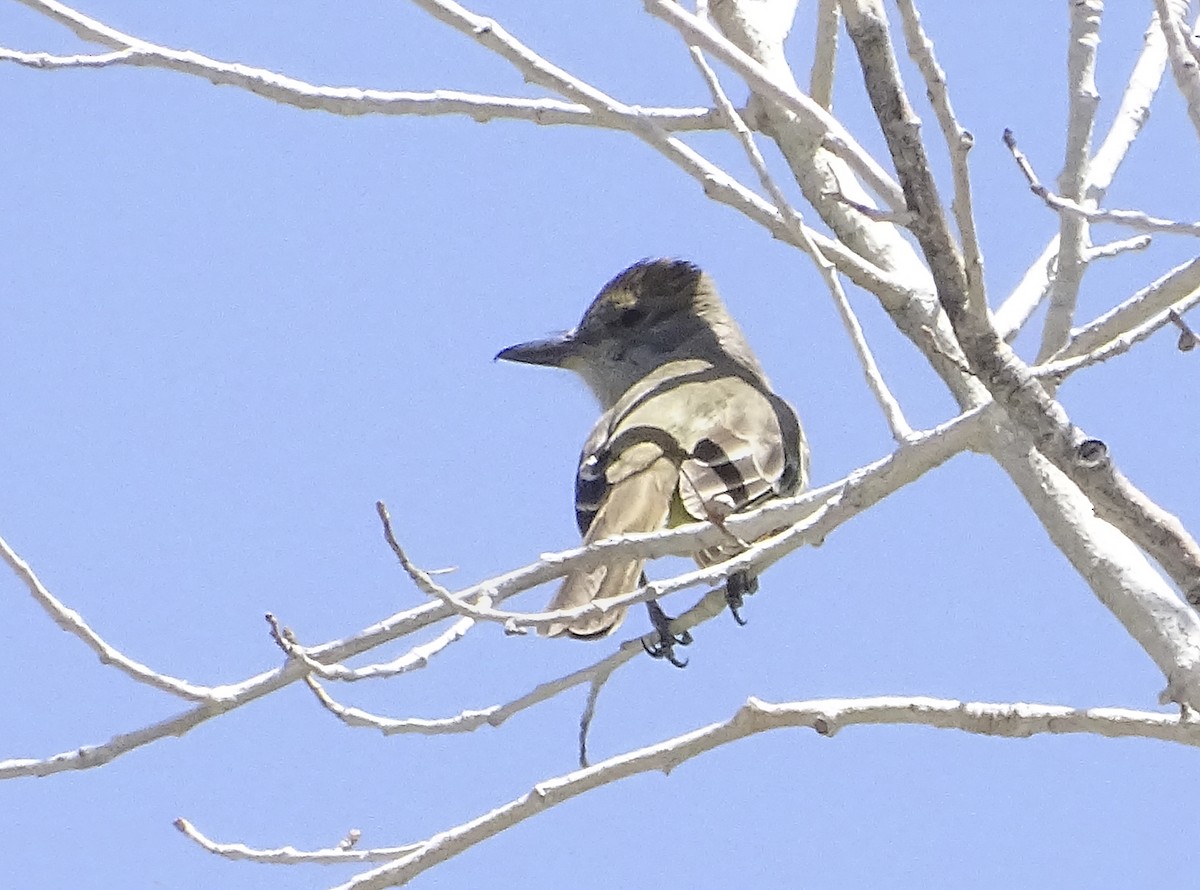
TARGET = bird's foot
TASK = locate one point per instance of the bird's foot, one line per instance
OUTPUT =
(739, 586)
(667, 641)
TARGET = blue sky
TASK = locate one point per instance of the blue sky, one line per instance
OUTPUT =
(232, 326)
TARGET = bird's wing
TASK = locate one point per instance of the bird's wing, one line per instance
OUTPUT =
(748, 450)
(687, 434)
(625, 484)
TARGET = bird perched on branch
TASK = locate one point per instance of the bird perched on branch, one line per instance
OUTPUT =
(691, 429)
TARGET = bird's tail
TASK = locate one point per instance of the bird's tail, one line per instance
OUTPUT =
(638, 502)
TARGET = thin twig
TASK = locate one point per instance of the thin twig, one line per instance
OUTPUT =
(350, 101)
(469, 720)
(1170, 290)
(1058, 370)
(1133, 219)
(1131, 116)
(341, 853)
(699, 33)
(1130, 219)
(901, 218)
(1117, 248)
(73, 623)
(589, 713)
(419, 576)
(416, 658)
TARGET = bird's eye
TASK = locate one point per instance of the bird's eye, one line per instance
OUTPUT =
(630, 317)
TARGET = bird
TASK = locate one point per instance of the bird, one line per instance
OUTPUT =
(690, 430)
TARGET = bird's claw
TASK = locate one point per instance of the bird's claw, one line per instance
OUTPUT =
(667, 641)
(737, 588)
(667, 651)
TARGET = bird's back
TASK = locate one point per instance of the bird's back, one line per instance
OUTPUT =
(692, 440)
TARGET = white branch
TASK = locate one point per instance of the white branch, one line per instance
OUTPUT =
(826, 717)
(1170, 290)
(1025, 298)
(353, 101)
(72, 622)
(717, 184)
(468, 720)
(806, 519)
(1130, 219)
(1131, 116)
(415, 658)
(824, 65)
(1183, 63)
(854, 494)
(1116, 248)
(1132, 112)
(229, 697)
(1082, 101)
(1066, 207)
(831, 186)
(1041, 448)
(1060, 369)
(699, 33)
(591, 106)
(290, 855)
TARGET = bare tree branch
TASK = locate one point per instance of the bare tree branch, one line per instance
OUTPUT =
(290, 855)
(1091, 512)
(824, 65)
(717, 184)
(1059, 369)
(891, 409)
(1084, 461)
(1183, 65)
(1174, 289)
(1025, 298)
(1117, 248)
(72, 622)
(416, 658)
(958, 143)
(1134, 219)
(346, 101)
(810, 113)
(830, 187)
(1131, 116)
(354, 101)
(826, 717)
(590, 105)
(1074, 237)
(836, 503)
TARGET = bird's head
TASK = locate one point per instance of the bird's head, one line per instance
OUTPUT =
(654, 312)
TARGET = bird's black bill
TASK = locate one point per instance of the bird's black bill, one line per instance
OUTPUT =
(553, 352)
